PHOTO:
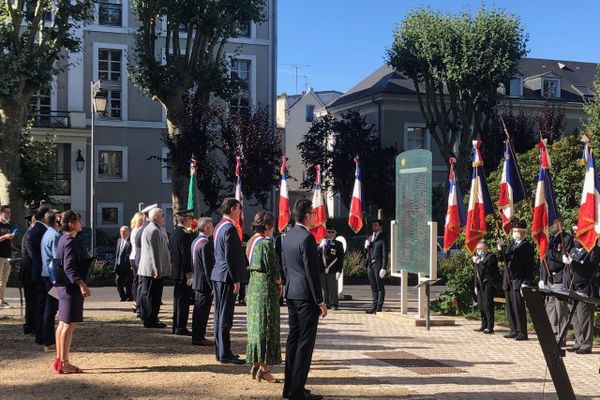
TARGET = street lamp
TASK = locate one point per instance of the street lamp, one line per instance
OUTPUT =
(98, 104)
(79, 161)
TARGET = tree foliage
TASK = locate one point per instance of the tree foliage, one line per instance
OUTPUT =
(34, 49)
(37, 181)
(251, 135)
(457, 62)
(333, 143)
(592, 110)
(193, 69)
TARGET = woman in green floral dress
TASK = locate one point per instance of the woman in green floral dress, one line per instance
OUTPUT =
(262, 299)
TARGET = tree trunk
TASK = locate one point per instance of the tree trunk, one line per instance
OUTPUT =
(13, 117)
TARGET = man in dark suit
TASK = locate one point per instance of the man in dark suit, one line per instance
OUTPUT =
(331, 255)
(123, 272)
(35, 244)
(25, 276)
(203, 260)
(518, 272)
(304, 300)
(376, 261)
(486, 277)
(229, 261)
(181, 264)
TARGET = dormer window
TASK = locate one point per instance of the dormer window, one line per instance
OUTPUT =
(550, 88)
(516, 87)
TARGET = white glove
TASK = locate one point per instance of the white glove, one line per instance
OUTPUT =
(541, 285)
(382, 273)
(475, 290)
(476, 259)
(499, 243)
(367, 244)
(566, 259)
(337, 275)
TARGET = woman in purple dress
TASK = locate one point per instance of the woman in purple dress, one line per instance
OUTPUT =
(70, 295)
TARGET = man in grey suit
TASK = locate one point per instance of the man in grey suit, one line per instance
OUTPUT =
(155, 264)
(304, 299)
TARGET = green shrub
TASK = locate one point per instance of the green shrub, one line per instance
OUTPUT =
(458, 299)
(103, 272)
(354, 265)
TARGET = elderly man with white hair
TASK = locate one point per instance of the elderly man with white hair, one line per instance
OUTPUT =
(155, 264)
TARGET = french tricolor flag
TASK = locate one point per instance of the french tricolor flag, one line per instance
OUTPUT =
(318, 229)
(455, 216)
(480, 203)
(239, 196)
(355, 217)
(588, 224)
(512, 190)
(284, 200)
(545, 212)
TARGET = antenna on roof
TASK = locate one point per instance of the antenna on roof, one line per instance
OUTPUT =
(297, 67)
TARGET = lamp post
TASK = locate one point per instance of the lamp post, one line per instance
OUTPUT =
(98, 105)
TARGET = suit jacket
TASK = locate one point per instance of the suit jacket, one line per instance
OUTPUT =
(584, 267)
(554, 258)
(155, 256)
(26, 260)
(229, 254)
(203, 260)
(376, 253)
(122, 265)
(181, 253)
(138, 242)
(521, 263)
(488, 271)
(70, 251)
(35, 244)
(301, 265)
(331, 255)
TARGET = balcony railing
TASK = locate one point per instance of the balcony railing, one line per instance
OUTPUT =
(61, 182)
(52, 119)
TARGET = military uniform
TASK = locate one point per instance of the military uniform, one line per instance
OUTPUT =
(331, 254)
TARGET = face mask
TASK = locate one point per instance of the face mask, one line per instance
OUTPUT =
(516, 236)
(5, 220)
(479, 253)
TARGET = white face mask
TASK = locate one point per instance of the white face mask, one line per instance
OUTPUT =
(5, 220)
(516, 236)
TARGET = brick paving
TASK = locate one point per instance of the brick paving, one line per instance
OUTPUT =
(492, 367)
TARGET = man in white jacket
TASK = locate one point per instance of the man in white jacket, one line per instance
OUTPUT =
(155, 264)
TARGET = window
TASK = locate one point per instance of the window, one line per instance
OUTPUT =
(240, 71)
(111, 164)
(165, 170)
(109, 215)
(416, 138)
(168, 210)
(244, 30)
(110, 12)
(39, 107)
(109, 72)
(550, 88)
(310, 113)
(516, 87)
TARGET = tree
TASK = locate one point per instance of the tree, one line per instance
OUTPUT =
(333, 144)
(592, 109)
(34, 51)
(251, 135)
(194, 69)
(457, 63)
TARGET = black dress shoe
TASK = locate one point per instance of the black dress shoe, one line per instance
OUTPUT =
(370, 312)
(203, 342)
(231, 361)
(183, 332)
(479, 330)
(242, 302)
(521, 337)
(157, 325)
(573, 349)
(336, 308)
(488, 331)
(510, 335)
(379, 309)
(582, 351)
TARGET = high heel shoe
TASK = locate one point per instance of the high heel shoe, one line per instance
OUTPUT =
(253, 371)
(261, 375)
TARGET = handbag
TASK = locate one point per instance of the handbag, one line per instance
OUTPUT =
(57, 272)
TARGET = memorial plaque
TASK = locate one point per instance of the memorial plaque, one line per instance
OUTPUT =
(413, 211)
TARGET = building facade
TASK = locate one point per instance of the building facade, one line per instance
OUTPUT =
(129, 135)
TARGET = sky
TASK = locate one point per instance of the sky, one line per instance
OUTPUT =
(343, 41)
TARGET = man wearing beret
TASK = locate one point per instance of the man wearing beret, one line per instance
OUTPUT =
(520, 263)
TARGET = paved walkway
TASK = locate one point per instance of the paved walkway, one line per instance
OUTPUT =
(347, 362)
